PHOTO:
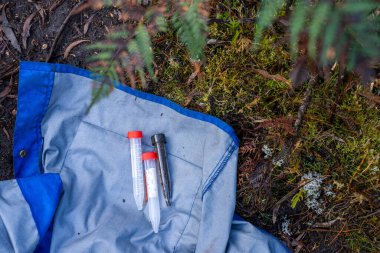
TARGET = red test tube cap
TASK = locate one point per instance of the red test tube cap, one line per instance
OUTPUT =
(149, 155)
(134, 134)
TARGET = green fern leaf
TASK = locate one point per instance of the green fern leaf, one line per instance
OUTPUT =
(330, 35)
(297, 22)
(103, 56)
(161, 24)
(144, 45)
(297, 198)
(268, 12)
(191, 29)
(362, 6)
(118, 35)
(320, 15)
(102, 46)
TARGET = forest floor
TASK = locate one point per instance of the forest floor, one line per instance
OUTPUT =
(323, 196)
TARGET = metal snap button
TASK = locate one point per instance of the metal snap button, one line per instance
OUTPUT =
(22, 153)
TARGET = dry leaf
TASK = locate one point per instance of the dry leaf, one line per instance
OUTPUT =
(7, 30)
(41, 12)
(25, 29)
(87, 24)
(71, 46)
(55, 5)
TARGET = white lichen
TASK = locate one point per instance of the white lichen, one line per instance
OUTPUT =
(329, 192)
(278, 163)
(374, 170)
(267, 151)
(285, 226)
(313, 191)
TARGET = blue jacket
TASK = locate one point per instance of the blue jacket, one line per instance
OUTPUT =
(73, 186)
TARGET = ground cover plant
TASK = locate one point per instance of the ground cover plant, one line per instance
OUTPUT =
(306, 112)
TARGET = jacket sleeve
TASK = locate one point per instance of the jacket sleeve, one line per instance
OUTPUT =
(244, 237)
(27, 207)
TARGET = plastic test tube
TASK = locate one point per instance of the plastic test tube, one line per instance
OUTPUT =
(137, 168)
(149, 159)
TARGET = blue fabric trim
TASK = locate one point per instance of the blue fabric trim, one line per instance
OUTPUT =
(42, 193)
(62, 68)
(34, 91)
(45, 242)
(237, 217)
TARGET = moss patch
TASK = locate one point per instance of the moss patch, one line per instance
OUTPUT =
(342, 147)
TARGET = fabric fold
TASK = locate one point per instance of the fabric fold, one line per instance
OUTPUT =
(27, 208)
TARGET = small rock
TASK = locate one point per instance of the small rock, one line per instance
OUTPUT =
(14, 112)
(44, 46)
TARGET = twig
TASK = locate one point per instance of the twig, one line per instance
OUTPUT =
(289, 144)
(326, 224)
(10, 73)
(6, 133)
(286, 150)
(305, 104)
(55, 5)
(197, 72)
(331, 231)
(276, 77)
(336, 237)
(369, 215)
(371, 97)
(71, 13)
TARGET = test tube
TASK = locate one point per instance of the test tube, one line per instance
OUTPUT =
(149, 159)
(137, 168)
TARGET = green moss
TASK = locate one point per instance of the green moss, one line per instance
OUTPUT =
(358, 241)
(343, 149)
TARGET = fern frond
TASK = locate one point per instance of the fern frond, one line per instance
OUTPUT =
(329, 36)
(191, 29)
(297, 22)
(144, 45)
(267, 14)
(118, 35)
(102, 46)
(321, 13)
(362, 6)
(102, 56)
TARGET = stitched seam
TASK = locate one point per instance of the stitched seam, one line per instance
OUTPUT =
(221, 164)
(217, 164)
(188, 219)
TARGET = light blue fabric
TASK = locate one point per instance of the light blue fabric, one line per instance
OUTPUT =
(27, 207)
(90, 152)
